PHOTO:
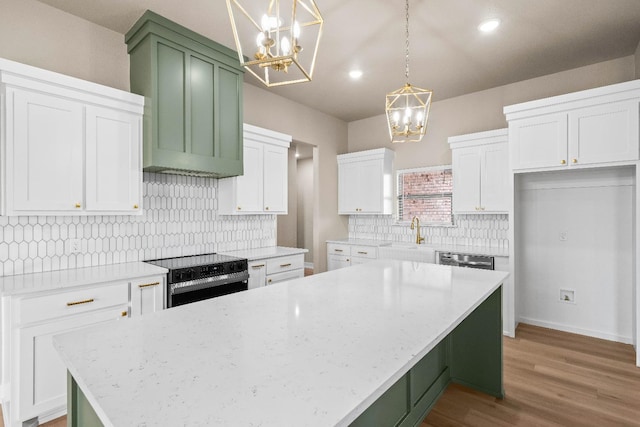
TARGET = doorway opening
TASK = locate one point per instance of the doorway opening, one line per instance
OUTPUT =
(296, 228)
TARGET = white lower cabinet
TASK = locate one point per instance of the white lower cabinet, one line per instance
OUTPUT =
(340, 255)
(34, 377)
(147, 295)
(270, 271)
(38, 376)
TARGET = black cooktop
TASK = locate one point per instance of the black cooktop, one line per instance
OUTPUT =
(193, 261)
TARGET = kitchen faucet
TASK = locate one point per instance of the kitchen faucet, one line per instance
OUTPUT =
(416, 221)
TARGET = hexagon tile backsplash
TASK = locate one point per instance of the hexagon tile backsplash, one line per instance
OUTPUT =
(179, 218)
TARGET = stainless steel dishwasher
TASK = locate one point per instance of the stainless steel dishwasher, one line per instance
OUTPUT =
(482, 262)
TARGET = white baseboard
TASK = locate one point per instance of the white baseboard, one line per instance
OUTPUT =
(308, 265)
(579, 331)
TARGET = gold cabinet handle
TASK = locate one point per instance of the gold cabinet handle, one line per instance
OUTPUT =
(84, 301)
(257, 266)
(148, 284)
(574, 161)
(338, 250)
(124, 313)
(135, 206)
(269, 281)
(481, 208)
(563, 162)
(78, 205)
(285, 265)
(266, 208)
(363, 253)
(239, 208)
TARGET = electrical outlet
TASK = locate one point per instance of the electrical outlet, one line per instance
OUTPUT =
(73, 246)
(567, 295)
(563, 236)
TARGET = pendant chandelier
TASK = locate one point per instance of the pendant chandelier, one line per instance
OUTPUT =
(277, 40)
(407, 108)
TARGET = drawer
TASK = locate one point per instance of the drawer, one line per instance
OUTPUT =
(272, 279)
(338, 249)
(285, 263)
(364, 252)
(50, 306)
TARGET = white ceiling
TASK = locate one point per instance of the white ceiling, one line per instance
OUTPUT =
(448, 54)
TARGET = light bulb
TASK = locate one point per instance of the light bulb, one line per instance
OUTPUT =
(407, 115)
(296, 29)
(265, 23)
(419, 117)
(260, 39)
(285, 46)
(396, 117)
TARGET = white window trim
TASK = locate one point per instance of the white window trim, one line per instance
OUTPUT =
(399, 222)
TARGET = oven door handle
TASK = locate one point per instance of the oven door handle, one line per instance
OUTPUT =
(207, 282)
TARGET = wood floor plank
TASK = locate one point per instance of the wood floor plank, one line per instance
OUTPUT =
(552, 378)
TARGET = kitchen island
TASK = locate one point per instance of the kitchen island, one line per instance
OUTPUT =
(373, 344)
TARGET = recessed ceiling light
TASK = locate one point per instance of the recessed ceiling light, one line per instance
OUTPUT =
(489, 25)
(355, 74)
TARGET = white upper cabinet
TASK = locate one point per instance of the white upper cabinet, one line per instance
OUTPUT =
(262, 189)
(596, 127)
(365, 182)
(480, 164)
(71, 147)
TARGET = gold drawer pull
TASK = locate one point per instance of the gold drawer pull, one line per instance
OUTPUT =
(285, 265)
(135, 206)
(563, 162)
(266, 208)
(269, 281)
(84, 301)
(574, 161)
(124, 313)
(239, 208)
(363, 253)
(149, 284)
(78, 205)
(257, 266)
(338, 250)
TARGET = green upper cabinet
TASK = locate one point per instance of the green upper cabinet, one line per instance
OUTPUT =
(193, 86)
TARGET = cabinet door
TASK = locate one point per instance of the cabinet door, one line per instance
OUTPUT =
(275, 179)
(348, 188)
(41, 375)
(272, 279)
(44, 153)
(605, 133)
(249, 194)
(466, 179)
(257, 273)
(494, 182)
(147, 296)
(370, 186)
(113, 168)
(539, 142)
(335, 262)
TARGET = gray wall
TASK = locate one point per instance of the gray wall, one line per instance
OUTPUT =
(287, 224)
(40, 35)
(481, 111)
(637, 56)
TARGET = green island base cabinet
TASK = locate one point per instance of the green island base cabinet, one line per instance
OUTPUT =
(470, 355)
(193, 86)
(36, 307)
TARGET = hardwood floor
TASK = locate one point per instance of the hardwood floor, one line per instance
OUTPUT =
(551, 378)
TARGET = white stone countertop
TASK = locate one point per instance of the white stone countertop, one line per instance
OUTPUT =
(264, 253)
(464, 249)
(21, 284)
(315, 351)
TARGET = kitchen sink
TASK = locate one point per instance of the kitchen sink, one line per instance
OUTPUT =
(407, 251)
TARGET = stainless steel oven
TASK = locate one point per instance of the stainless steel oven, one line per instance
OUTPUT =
(199, 277)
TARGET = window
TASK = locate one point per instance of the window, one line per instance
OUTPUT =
(425, 193)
